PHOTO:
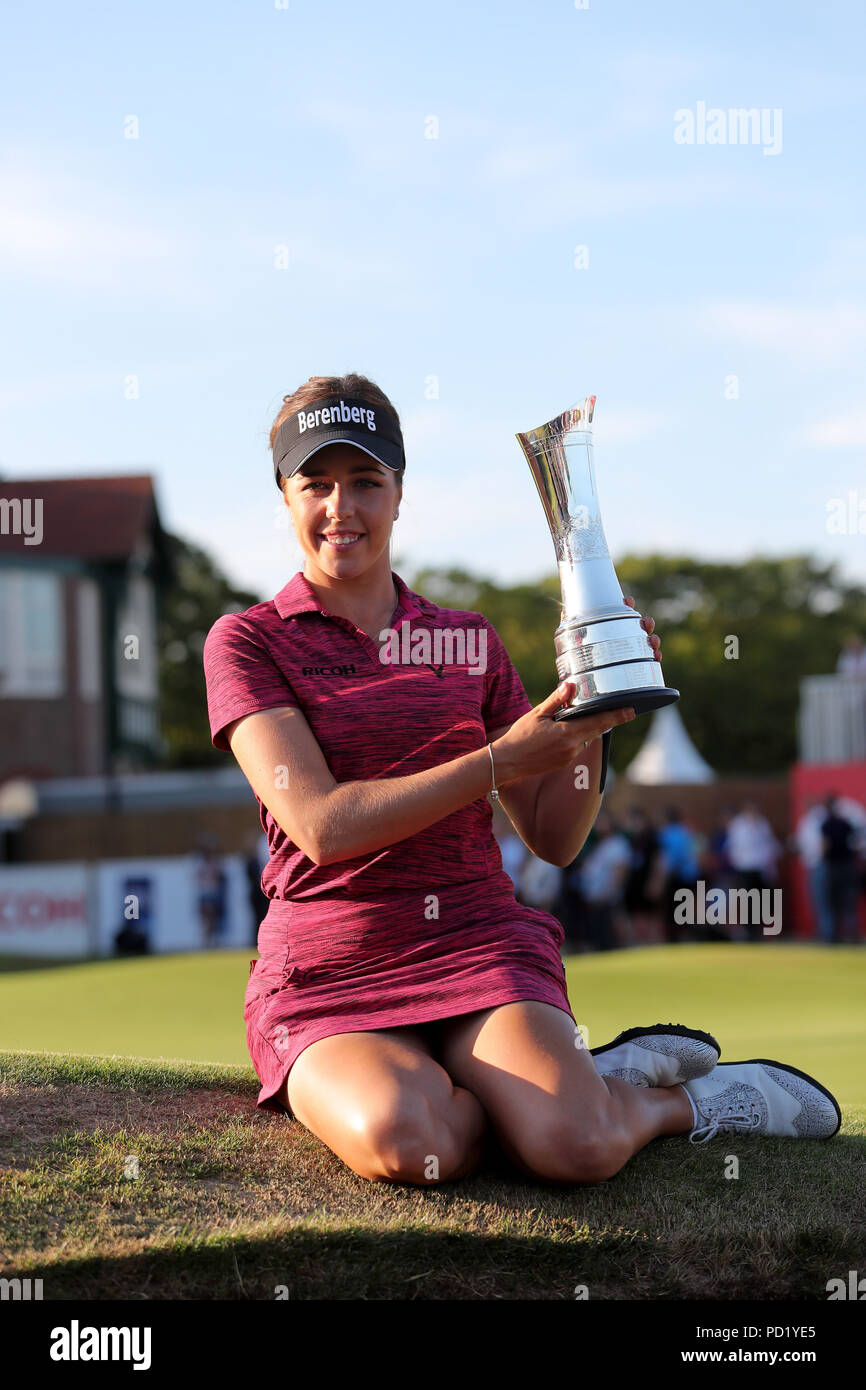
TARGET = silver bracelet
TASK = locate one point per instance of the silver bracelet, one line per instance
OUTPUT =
(494, 793)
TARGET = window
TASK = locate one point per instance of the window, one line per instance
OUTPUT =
(136, 673)
(31, 634)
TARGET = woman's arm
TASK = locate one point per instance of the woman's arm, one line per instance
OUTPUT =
(329, 820)
(552, 816)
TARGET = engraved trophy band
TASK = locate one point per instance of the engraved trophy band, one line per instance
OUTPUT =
(599, 643)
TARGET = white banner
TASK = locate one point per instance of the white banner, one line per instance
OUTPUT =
(46, 910)
(76, 910)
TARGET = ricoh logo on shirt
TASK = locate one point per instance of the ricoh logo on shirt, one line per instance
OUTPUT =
(344, 670)
(341, 414)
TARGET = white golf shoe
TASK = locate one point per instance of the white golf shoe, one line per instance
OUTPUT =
(662, 1055)
(760, 1097)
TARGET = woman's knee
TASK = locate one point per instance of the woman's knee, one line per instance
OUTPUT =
(418, 1142)
(571, 1148)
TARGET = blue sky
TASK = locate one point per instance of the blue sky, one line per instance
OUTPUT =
(452, 258)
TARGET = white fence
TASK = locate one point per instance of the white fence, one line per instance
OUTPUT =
(832, 719)
(75, 909)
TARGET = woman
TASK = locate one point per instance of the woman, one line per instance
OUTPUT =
(404, 1004)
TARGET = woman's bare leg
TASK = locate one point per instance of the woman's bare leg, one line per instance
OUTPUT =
(386, 1107)
(552, 1112)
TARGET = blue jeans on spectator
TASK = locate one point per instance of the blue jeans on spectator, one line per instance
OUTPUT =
(842, 892)
(819, 884)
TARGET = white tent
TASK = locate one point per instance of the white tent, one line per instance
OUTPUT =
(667, 754)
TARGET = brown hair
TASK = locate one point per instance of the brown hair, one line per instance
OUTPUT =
(318, 388)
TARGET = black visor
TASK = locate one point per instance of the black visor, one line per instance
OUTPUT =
(338, 420)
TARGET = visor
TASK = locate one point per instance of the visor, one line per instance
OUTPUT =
(338, 420)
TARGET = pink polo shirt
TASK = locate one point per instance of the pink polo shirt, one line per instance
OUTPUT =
(371, 718)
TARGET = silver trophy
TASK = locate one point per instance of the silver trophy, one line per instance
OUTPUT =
(599, 643)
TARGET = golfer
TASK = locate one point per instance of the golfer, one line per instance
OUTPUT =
(405, 1007)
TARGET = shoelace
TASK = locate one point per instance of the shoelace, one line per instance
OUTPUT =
(730, 1119)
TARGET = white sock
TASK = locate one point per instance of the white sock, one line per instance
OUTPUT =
(692, 1104)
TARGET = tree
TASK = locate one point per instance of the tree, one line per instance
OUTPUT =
(738, 699)
(199, 595)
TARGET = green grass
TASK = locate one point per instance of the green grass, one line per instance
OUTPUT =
(801, 1004)
(231, 1203)
(185, 1006)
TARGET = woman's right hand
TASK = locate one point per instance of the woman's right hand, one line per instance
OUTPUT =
(537, 743)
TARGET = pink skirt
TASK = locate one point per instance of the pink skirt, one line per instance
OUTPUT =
(346, 965)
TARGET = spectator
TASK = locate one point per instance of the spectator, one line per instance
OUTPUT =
(254, 866)
(642, 887)
(718, 872)
(840, 857)
(602, 875)
(540, 883)
(211, 886)
(680, 870)
(753, 852)
(130, 940)
(852, 658)
(718, 859)
(810, 847)
(572, 906)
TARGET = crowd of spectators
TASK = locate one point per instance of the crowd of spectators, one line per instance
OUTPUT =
(624, 888)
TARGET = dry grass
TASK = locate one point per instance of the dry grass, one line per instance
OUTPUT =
(232, 1203)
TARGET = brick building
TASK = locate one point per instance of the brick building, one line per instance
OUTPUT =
(83, 565)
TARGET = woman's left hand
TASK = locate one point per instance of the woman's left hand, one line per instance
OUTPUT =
(648, 623)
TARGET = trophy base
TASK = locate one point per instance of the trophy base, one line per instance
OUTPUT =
(642, 701)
